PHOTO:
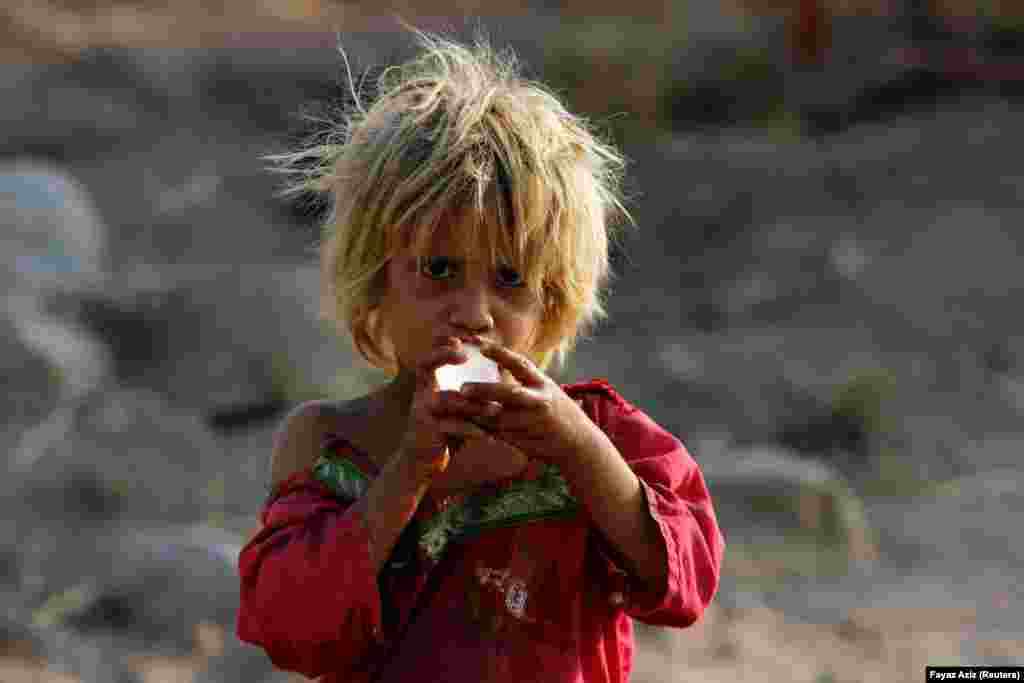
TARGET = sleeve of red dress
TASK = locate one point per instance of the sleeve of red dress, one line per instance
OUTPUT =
(309, 594)
(679, 502)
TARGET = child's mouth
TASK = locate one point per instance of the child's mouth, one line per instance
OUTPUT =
(477, 369)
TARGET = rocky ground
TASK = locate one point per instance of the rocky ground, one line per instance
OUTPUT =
(827, 323)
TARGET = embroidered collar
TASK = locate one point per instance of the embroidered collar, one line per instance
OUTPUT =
(545, 495)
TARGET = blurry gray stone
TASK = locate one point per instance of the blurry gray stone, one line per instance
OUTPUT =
(991, 455)
(31, 383)
(765, 490)
(82, 361)
(972, 522)
(52, 229)
(214, 542)
(796, 257)
(767, 379)
(206, 203)
(241, 662)
(10, 566)
(1012, 388)
(199, 187)
(74, 106)
(16, 635)
(966, 266)
(40, 407)
(221, 340)
(731, 596)
(88, 659)
(246, 474)
(171, 70)
(902, 160)
(52, 111)
(949, 280)
(319, 356)
(766, 463)
(126, 454)
(202, 342)
(849, 256)
(133, 590)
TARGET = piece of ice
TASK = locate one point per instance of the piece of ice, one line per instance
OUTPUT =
(477, 369)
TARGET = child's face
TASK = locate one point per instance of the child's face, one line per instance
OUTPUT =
(440, 296)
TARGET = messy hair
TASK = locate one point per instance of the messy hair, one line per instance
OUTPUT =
(457, 132)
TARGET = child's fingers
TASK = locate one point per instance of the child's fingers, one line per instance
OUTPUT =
(455, 427)
(448, 403)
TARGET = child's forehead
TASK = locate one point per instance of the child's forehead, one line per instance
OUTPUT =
(453, 238)
(445, 237)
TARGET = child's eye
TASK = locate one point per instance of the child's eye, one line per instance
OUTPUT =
(429, 266)
(435, 267)
(514, 276)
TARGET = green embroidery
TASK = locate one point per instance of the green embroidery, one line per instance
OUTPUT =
(443, 528)
(342, 476)
(523, 500)
(519, 502)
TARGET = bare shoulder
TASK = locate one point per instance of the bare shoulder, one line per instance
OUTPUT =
(297, 439)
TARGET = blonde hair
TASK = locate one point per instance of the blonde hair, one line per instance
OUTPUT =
(458, 132)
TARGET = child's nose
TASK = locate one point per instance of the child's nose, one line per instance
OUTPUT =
(473, 306)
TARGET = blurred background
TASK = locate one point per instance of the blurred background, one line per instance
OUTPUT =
(818, 300)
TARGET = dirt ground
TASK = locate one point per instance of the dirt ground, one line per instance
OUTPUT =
(756, 644)
(762, 645)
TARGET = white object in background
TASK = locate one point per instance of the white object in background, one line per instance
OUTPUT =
(477, 369)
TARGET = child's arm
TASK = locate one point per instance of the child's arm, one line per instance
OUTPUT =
(389, 503)
(309, 594)
(647, 497)
(615, 500)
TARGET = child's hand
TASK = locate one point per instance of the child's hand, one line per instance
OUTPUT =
(537, 417)
(439, 419)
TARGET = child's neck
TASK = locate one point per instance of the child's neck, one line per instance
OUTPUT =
(395, 398)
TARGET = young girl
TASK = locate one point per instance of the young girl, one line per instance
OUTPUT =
(506, 531)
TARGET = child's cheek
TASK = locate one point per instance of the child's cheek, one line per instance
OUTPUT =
(421, 288)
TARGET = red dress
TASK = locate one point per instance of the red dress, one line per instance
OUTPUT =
(539, 598)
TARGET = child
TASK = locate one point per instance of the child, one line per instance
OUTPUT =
(507, 531)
